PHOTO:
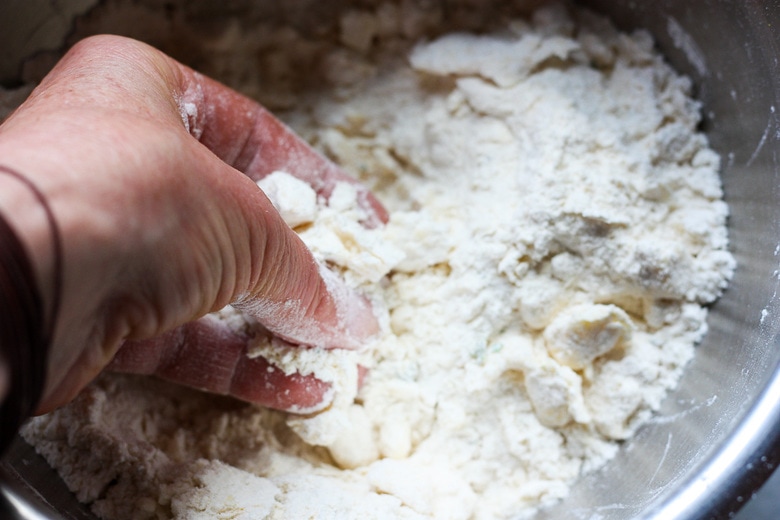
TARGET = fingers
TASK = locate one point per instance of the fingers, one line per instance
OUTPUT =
(252, 140)
(290, 293)
(207, 355)
(189, 198)
(160, 229)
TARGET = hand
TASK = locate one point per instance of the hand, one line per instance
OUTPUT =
(149, 169)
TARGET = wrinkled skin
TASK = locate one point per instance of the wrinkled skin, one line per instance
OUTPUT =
(149, 168)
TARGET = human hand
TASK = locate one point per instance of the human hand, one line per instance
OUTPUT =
(149, 168)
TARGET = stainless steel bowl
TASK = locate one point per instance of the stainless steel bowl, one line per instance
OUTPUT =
(717, 437)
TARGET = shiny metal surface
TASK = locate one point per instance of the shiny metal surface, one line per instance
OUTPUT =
(717, 438)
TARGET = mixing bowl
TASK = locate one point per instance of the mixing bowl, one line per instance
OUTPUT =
(717, 436)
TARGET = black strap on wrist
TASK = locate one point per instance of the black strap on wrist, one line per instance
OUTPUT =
(25, 333)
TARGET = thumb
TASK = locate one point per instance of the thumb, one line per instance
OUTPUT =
(319, 309)
(287, 290)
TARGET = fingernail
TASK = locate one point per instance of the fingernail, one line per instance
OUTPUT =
(326, 400)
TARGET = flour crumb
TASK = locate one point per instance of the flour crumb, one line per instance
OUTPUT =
(295, 200)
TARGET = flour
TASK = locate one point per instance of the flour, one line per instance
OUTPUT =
(556, 228)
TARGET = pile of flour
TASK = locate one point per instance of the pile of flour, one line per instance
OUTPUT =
(556, 229)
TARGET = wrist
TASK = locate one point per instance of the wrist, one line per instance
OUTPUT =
(26, 321)
(26, 216)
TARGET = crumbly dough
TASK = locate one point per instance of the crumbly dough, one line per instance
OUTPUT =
(556, 231)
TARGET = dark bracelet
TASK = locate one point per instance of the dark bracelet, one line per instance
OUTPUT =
(25, 335)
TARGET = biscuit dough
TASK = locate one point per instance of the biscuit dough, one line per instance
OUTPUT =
(557, 229)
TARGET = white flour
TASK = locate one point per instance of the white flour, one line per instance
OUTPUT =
(556, 227)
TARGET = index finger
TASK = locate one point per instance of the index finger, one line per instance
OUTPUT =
(248, 137)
